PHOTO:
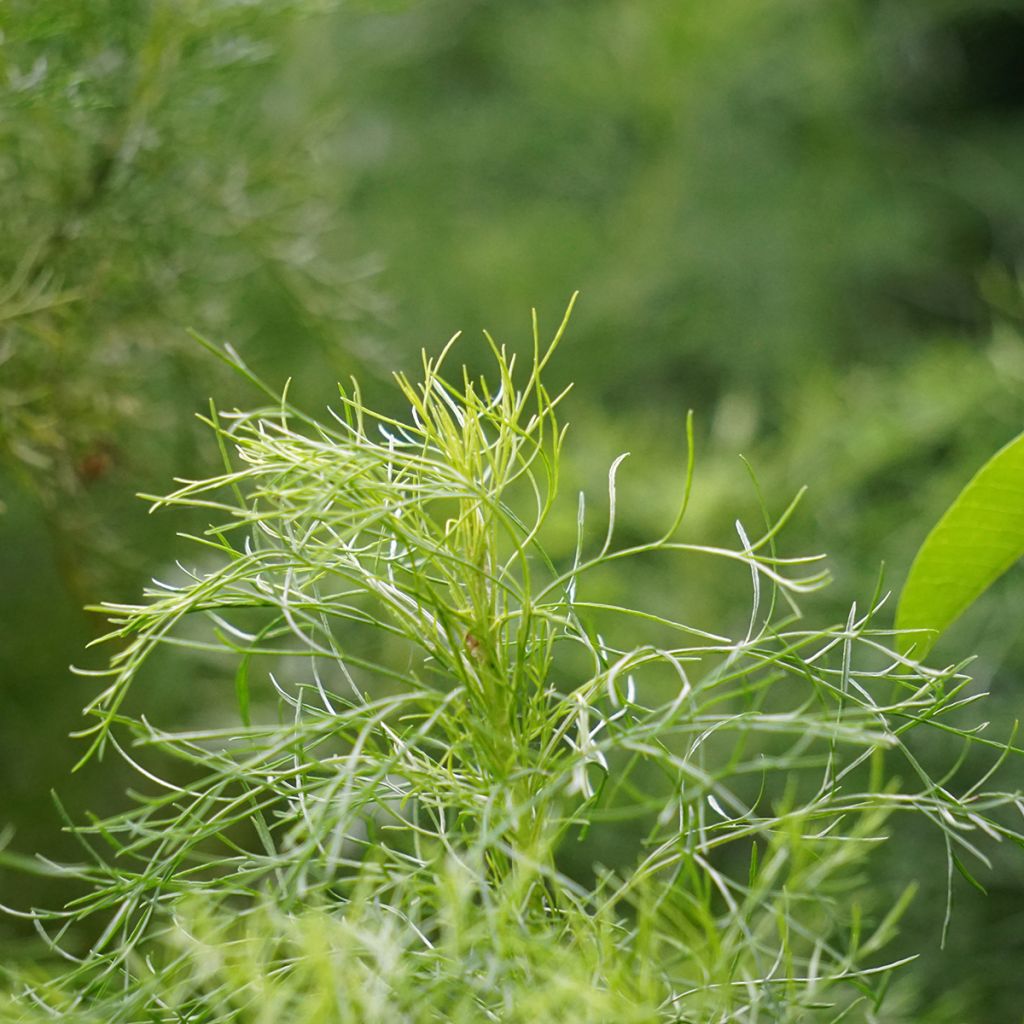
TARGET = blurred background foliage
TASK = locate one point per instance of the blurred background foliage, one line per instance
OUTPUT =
(803, 220)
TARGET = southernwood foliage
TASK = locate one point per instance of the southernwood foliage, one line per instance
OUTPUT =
(439, 719)
(160, 163)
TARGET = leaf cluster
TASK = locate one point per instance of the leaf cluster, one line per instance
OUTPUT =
(438, 730)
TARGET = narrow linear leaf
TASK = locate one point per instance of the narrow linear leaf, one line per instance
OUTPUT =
(978, 539)
(962, 868)
(242, 689)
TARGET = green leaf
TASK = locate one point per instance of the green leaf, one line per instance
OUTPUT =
(962, 868)
(242, 688)
(980, 536)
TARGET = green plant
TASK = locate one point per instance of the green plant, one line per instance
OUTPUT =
(978, 538)
(156, 167)
(462, 782)
(162, 162)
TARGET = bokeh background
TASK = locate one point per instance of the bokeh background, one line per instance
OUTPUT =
(804, 221)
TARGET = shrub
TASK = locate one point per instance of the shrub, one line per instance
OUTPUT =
(462, 782)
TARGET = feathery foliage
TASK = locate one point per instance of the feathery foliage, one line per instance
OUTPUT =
(434, 707)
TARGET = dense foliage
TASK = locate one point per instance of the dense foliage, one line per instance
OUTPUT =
(802, 220)
(433, 711)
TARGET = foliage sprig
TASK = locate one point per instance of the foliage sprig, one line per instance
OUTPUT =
(456, 787)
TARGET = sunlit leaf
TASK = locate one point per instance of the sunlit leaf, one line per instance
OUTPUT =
(980, 536)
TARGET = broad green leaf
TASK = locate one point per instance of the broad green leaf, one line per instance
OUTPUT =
(980, 536)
